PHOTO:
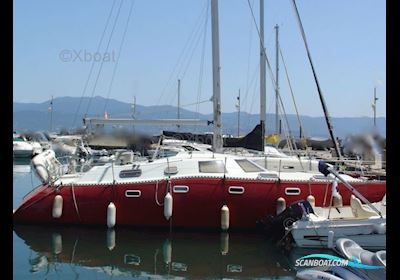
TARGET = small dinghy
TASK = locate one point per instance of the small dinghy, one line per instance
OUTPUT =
(352, 251)
(329, 273)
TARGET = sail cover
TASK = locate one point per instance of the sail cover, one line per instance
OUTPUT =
(252, 141)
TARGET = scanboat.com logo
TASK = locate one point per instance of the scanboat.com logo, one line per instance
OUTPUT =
(329, 260)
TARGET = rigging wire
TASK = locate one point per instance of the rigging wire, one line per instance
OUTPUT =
(93, 62)
(119, 54)
(201, 71)
(193, 31)
(102, 61)
(184, 67)
(245, 104)
(254, 92)
(249, 52)
(292, 94)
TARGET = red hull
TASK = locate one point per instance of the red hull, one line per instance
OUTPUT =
(200, 207)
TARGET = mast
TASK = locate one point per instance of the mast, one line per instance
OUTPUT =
(374, 106)
(277, 80)
(217, 137)
(262, 75)
(133, 106)
(179, 100)
(238, 106)
(321, 97)
(51, 113)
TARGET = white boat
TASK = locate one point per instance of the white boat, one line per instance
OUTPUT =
(330, 273)
(22, 148)
(315, 231)
(352, 251)
(365, 224)
(374, 264)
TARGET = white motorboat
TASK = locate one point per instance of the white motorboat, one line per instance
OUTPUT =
(330, 273)
(315, 231)
(22, 148)
(365, 224)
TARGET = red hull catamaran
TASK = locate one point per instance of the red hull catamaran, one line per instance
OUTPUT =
(184, 191)
(189, 190)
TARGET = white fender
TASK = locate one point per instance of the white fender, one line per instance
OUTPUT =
(111, 215)
(224, 217)
(280, 205)
(224, 243)
(337, 198)
(311, 199)
(56, 243)
(110, 239)
(168, 201)
(167, 251)
(380, 228)
(57, 206)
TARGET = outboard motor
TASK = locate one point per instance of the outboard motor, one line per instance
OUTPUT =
(275, 226)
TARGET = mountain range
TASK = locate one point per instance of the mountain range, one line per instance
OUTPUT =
(36, 116)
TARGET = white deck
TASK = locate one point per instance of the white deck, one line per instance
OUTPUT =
(188, 166)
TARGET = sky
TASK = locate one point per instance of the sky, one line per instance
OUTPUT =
(55, 43)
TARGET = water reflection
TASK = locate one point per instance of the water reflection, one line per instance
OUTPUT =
(137, 253)
(21, 166)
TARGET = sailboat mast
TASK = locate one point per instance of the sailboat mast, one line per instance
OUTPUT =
(51, 113)
(277, 80)
(321, 97)
(238, 98)
(217, 138)
(374, 106)
(262, 75)
(179, 101)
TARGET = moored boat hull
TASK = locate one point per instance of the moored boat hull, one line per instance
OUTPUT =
(197, 202)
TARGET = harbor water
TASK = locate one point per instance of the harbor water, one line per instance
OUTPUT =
(55, 252)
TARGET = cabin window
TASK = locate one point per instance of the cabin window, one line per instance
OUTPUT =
(261, 162)
(248, 166)
(190, 148)
(129, 173)
(212, 166)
